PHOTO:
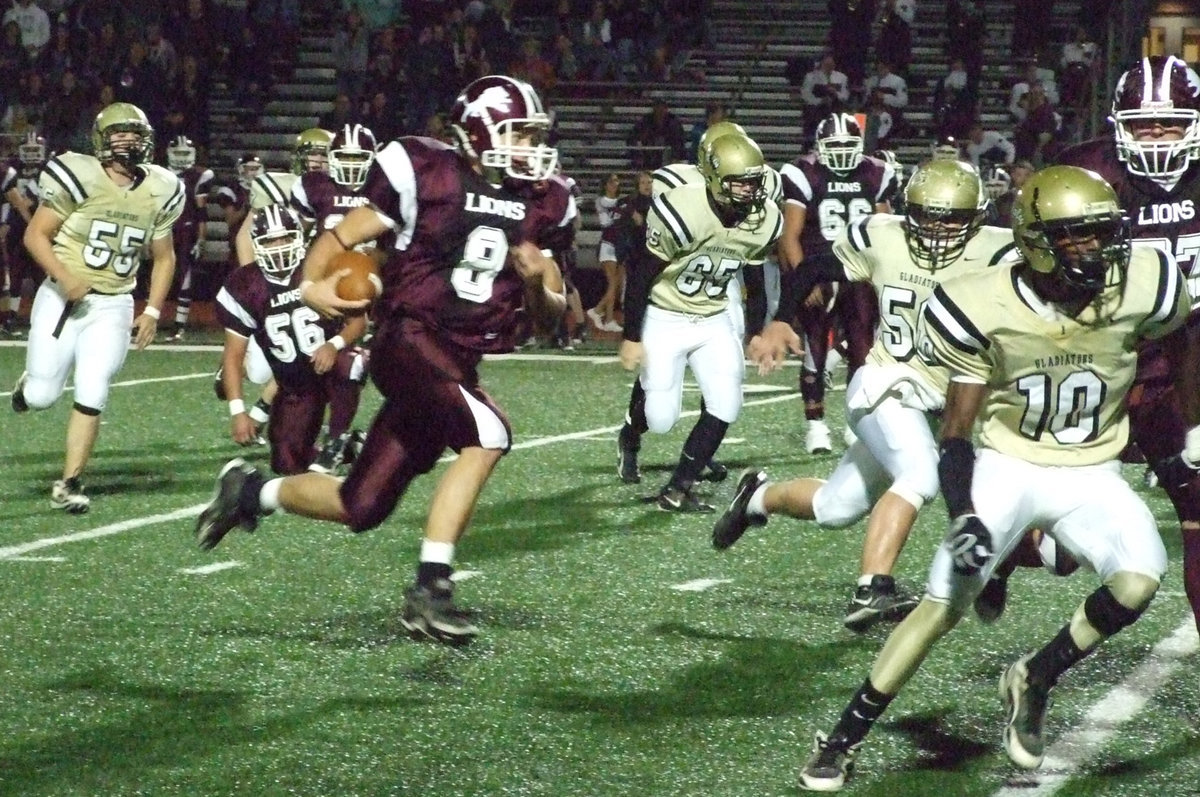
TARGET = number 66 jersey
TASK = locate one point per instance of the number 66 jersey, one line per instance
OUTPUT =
(1057, 383)
(107, 226)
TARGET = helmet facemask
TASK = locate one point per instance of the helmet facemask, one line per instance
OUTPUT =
(519, 149)
(1087, 254)
(278, 248)
(128, 152)
(937, 235)
(1158, 158)
(181, 156)
(841, 154)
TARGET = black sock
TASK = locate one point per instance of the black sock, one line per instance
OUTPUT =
(428, 573)
(635, 418)
(248, 498)
(864, 708)
(698, 450)
(1055, 658)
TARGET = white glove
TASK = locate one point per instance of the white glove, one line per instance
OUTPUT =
(1191, 448)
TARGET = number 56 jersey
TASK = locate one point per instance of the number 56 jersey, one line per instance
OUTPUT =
(1057, 383)
(701, 253)
(874, 249)
(106, 226)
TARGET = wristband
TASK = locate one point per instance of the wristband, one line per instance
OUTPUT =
(956, 466)
(337, 342)
(236, 407)
(153, 312)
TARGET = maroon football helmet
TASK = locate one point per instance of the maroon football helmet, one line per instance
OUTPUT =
(500, 122)
(350, 155)
(1160, 90)
(840, 142)
(277, 237)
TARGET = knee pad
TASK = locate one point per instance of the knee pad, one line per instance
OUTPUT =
(832, 513)
(917, 484)
(662, 411)
(40, 395)
(1108, 615)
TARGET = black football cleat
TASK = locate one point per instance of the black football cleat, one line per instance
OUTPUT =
(234, 504)
(677, 499)
(730, 527)
(627, 456)
(429, 612)
(714, 471)
(18, 394)
(876, 602)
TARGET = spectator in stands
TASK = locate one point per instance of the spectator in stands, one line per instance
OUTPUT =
(470, 58)
(880, 123)
(894, 44)
(657, 138)
(351, 52)
(1077, 67)
(597, 56)
(607, 216)
(432, 77)
(987, 147)
(249, 74)
(1030, 74)
(161, 53)
(566, 65)
(625, 24)
(892, 90)
(687, 21)
(197, 33)
(496, 30)
(341, 114)
(953, 102)
(1034, 136)
(187, 106)
(713, 112)
(1032, 21)
(59, 56)
(34, 23)
(104, 50)
(14, 60)
(823, 92)
(531, 67)
(67, 113)
(381, 117)
(29, 110)
(966, 30)
(850, 36)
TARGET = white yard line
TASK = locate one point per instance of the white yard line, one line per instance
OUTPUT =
(1070, 751)
(204, 570)
(136, 382)
(103, 531)
(700, 584)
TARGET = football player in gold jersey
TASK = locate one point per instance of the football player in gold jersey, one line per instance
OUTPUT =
(1044, 352)
(697, 238)
(97, 215)
(890, 470)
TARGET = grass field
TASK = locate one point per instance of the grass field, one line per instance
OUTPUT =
(619, 654)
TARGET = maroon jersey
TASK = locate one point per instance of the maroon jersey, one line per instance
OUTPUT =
(833, 201)
(323, 202)
(448, 266)
(196, 184)
(288, 330)
(550, 220)
(23, 177)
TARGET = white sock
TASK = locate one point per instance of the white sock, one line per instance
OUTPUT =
(268, 496)
(440, 552)
(865, 581)
(757, 505)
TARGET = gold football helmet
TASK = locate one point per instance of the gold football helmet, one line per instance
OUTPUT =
(944, 207)
(310, 153)
(711, 134)
(734, 172)
(1068, 222)
(122, 117)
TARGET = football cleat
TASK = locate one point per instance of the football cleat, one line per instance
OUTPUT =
(989, 603)
(879, 600)
(332, 455)
(677, 499)
(429, 611)
(354, 446)
(68, 494)
(18, 395)
(234, 504)
(831, 762)
(1026, 704)
(219, 384)
(817, 439)
(730, 527)
(714, 471)
(627, 455)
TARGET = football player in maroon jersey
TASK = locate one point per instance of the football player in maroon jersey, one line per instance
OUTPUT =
(19, 188)
(460, 263)
(190, 230)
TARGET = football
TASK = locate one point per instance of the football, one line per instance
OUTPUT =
(363, 280)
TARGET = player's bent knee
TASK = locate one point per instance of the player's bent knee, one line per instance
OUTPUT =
(831, 512)
(914, 494)
(1108, 614)
(660, 419)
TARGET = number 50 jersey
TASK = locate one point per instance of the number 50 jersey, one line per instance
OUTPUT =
(1057, 383)
(106, 226)
(701, 253)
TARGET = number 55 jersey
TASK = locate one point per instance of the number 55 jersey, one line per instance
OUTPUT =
(1057, 383)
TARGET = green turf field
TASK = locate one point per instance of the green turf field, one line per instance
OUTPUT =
(127, 671)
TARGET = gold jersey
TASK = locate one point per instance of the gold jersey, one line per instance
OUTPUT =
(702, 254)
(106, 226)
(874, 249)
(271, 188)
(674, 175)
(1057, 384)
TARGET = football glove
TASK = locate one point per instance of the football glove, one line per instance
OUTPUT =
(1180, 469)
(970, 544)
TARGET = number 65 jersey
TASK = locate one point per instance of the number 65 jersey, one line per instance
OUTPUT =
(1057, 383)
(106, 226)
(702, 254)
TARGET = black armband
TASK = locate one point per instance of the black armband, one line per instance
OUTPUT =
(956, 467)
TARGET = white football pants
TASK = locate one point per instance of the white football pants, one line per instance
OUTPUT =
(709, 345)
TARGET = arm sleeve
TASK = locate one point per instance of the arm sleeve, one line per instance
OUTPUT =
(756, 299)
(640, 272)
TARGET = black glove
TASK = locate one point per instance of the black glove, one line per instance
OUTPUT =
(970, 544)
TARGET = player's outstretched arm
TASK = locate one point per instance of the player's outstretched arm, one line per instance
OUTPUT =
(544, 289)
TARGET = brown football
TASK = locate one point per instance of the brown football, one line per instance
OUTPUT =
(363, 280)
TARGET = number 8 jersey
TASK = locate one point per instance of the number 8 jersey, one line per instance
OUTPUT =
(702, 255)
(106, 227)
(1057, 383)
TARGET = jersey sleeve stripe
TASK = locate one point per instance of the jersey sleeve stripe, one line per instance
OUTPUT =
(673, 220)
(235, 309)
(668, 177)
(857, 235)
(267, 183)
(1170, 284)
(953, 325)
(774, 185)
(177, 198)
(776, 233)
(1002, 253)
(66, 179)
(396, 164)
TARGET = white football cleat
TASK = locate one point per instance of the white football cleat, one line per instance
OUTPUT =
(817, 439)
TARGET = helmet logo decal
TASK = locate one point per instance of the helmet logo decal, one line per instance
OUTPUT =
(492, 97)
